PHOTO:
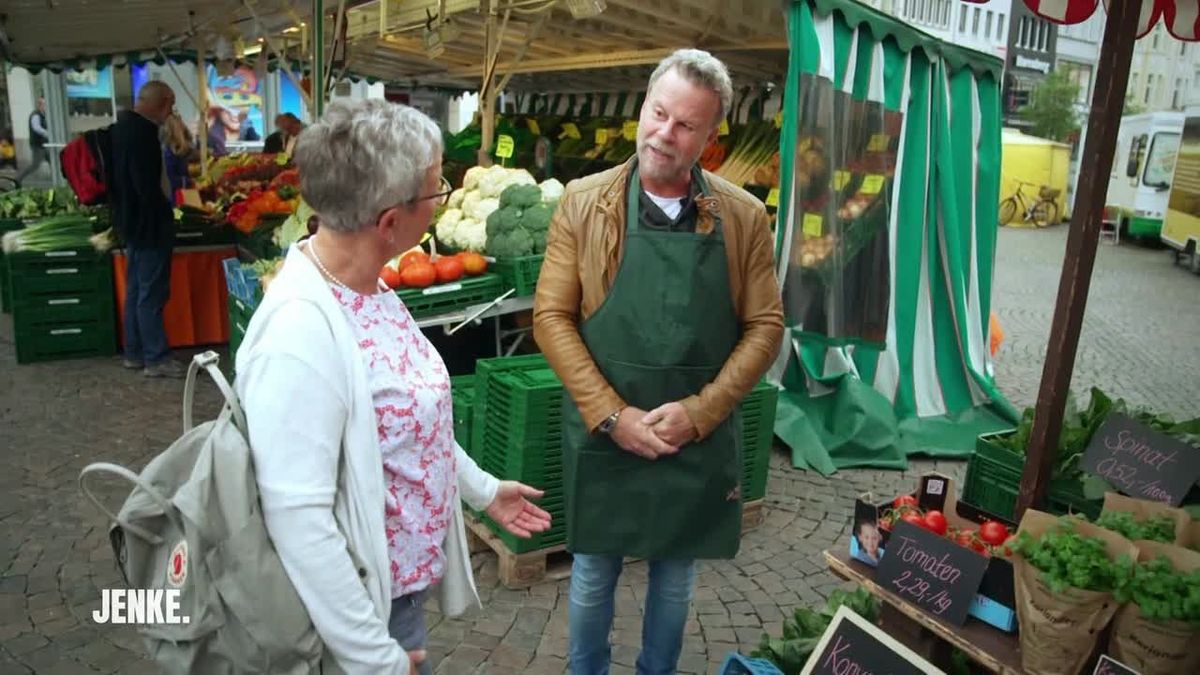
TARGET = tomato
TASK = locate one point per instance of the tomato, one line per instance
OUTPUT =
(390, 276)
(993, 533)
(964, 538)
(448, 269)
(913, 519)
(418, 275)
(935, 522)
(413, 257)
(473, 263)
(981, 548)
(904, 500)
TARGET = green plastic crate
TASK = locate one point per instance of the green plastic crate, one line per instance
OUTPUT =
(6, 225)
(485, 370)
(69, 340)
(68, 271)
(38, 308)
(239, 321)
(758, 432)
(994, 479)
(445, 298)
(519, 273)
(462, 395)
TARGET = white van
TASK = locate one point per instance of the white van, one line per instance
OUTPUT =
(1142, 169)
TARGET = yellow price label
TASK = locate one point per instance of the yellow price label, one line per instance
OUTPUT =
(871, 185)
(601, 136)
(504, 146)
(813, 225)
(879, 143)
(805, 143)
(724, 130)
(773, 197)
(629, 130)
(840, 178)
(534, 128)
(178, 214)
(569, 130)
(779, 120)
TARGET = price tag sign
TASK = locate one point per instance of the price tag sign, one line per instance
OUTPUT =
(773, 197)
(872, 185)
(1107, 665)
(813, 225)
(601, 136)
(840, 179)
(504, 146)
(879, 143)
(851, 644)
(1142, 462)
(724, 130)
(534, 128)
(779, 120)
(629, 130)
(569, 130)
(931, 572)
(444, 288)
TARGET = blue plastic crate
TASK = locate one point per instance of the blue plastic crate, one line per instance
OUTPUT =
(736, 664)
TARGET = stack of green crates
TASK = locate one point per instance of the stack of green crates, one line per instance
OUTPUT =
(239, 319)
(758, 432)
(7, 225)
(515, 433)
(62, 304)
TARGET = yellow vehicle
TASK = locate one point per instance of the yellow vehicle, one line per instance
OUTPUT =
(1181, 227)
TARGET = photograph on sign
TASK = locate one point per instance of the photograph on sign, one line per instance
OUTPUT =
(1107, 665)
(851, 644)
(1141, 462)
(931, 572)
(867, 538)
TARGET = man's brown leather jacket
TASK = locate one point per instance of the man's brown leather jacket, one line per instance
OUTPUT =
(582, 256)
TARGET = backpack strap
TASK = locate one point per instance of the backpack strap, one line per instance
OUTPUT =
(154, 494)
(208, 360)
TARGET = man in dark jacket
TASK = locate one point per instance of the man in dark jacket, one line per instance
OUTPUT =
(38, 137)
(144, 218)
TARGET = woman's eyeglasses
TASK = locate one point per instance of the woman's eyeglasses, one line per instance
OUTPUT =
(442, 197)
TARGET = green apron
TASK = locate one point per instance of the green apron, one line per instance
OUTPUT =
(663, 332)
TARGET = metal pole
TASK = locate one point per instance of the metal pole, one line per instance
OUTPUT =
(202, 75)
(1116, 52)
(317, 77)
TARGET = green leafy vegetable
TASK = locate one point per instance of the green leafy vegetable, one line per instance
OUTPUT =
(1158, 528)
(1161, 592)
(1068, 559)
(803, 629)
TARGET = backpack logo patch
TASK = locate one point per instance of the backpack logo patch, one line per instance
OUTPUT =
(177, 567)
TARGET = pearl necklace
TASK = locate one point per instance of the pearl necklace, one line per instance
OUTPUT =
(312, 246)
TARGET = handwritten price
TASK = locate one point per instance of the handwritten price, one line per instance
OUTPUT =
(1125, 476)
(920, 590)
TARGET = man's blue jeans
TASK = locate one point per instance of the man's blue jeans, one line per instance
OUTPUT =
(668, 598)
(147, 288)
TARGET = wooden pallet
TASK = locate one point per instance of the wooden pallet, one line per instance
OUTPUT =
(522, 570)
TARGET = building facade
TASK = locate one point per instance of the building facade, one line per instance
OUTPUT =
(1032, 50)
(980, 27)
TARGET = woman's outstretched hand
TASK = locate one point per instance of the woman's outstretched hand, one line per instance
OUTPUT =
(514, 512)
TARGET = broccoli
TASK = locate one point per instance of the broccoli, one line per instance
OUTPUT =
(537, 218)
(521, 196)
(510, 244)
(502, 220)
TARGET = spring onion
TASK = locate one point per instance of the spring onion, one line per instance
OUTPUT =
(56, 233)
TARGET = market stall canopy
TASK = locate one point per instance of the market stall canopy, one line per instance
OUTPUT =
(36, 32)
(546, 48)
(1181, 17)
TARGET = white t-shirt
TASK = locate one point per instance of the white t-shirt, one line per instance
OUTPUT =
(669, 205)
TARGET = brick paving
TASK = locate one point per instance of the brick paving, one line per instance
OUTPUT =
(54, 418)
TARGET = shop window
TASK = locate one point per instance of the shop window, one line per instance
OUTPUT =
(1000, 28)
(962, 18)
(975, 22)
(987, 25)
(1137, 151)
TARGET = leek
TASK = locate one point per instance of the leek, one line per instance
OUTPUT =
(54, 234)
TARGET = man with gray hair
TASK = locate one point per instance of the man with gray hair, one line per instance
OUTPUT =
(142, 214)
(657, 306)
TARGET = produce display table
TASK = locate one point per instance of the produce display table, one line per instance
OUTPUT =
(509, 305)
(994, 650)
(197, 312)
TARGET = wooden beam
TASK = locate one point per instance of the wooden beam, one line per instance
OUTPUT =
(1112, 77)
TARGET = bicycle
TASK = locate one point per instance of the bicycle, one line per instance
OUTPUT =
(1042, 212)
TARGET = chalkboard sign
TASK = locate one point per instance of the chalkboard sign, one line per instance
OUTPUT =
(851, 644)
(1142, 462)
(931, 572)
(1107, 665)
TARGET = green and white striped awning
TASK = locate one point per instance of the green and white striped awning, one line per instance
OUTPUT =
(887, 352)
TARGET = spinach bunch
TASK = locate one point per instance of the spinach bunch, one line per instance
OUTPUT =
(803, 629)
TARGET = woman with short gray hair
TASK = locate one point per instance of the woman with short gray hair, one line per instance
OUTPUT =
(348, 404)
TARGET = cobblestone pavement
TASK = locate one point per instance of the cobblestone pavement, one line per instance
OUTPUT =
(54, 554)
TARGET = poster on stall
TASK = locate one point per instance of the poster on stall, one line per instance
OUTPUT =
(90, 83)
(238, 102)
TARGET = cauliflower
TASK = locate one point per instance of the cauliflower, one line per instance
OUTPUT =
(552, 190)
(493, 182)
(483, 208)
(471, 235)
(470, 202)
(447, 226)
(456, 198)
(471, 178)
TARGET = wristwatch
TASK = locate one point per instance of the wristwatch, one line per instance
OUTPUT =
(609, 423)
